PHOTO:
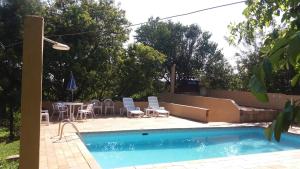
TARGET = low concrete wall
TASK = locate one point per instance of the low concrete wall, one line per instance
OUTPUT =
(188, 112)
(276, 100)
(220, 110)
(202, 109)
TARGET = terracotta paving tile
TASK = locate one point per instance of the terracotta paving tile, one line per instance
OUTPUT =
(70, 152)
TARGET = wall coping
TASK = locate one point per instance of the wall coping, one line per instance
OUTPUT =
(183, 105)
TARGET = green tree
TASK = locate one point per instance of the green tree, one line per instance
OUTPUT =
(209, 64)
(280, 51)
(165, 37)
(11, 25)
(140, 71)
(95, 31)
(93, 56)
(189, 48)
(247, 59)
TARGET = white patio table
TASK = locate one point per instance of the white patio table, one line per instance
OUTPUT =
(72, 106)
(149, 111)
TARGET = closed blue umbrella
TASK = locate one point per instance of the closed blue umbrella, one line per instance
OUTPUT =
(72, 84)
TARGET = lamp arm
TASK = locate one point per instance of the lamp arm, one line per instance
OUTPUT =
(49, 40)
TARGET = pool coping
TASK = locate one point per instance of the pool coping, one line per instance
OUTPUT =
(211, 160)
(183, 163)
(181, 128)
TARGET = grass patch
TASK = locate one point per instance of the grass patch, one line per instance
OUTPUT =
(6, 149)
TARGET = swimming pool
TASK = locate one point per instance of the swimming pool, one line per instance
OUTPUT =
(132, 148)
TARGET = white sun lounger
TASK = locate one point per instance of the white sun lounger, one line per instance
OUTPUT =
(153, 104)
(130, 108)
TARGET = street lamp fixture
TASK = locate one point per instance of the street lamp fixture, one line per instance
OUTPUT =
(57, 45)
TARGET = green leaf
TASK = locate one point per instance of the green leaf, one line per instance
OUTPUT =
(259, 72)
(267, 67)
(269, 132)
(289, 115)
(298, 58)
(293, 49)
(297, 115)
(278, 126)
(256, 85)
(265, 49)
(276, 57)
(258, 89)
(263, 97)
(288, 107)
(295, 80)
(279, 44)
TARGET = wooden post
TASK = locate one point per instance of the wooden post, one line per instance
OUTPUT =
(31, 98)
(173, 78)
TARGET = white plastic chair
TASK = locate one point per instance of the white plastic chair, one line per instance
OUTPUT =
(109, 105)
(61, 109)
(45, 115)
(130, 108)
(153, 104)
(88, 110)
(97, 105)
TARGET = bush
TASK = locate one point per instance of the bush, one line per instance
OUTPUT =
(16, 122)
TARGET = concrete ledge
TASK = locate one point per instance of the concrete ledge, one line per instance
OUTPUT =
(249, 114)
(243, 98)
(188, 112)
(220, 110)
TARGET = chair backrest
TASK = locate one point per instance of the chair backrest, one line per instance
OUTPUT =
(153, 102)
(63, 107)
(128, 103)
(55, 107)
(58, 106)
(108, 103)
(96, 102)
(90, 107)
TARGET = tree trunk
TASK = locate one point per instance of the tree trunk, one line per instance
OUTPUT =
(2, 113)
(11, 124)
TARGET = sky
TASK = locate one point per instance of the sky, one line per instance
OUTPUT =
(214, 21)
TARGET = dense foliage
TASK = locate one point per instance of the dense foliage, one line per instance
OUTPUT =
(11, 25)
(140, 71)
(247, 61)
(280, 23)
(97, 57)
(190, 48)
(93, 57)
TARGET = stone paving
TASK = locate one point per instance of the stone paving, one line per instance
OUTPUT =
(70, 152)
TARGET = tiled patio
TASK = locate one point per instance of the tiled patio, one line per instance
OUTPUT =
(70, 152)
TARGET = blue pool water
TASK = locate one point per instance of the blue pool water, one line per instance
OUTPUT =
(131, 148)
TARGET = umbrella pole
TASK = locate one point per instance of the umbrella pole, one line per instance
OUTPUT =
(72, 95)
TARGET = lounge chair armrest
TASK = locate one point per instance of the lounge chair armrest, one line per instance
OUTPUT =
(162, 108)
